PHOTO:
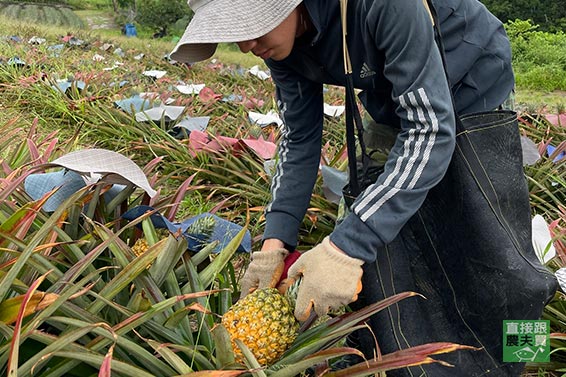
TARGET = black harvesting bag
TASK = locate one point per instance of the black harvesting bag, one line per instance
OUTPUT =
(468, 250)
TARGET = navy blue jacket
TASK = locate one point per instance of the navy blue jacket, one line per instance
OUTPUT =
(398, 67)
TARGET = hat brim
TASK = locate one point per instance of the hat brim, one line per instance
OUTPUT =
(229, 21)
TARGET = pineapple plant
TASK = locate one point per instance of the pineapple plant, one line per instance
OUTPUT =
(75, 299)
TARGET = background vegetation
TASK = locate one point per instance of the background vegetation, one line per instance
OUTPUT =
(550, 14)
(539, 58)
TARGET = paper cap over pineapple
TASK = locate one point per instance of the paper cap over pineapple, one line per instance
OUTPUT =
(85, 167)
(216, 21)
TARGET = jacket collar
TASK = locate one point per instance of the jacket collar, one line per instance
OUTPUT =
(318, 13)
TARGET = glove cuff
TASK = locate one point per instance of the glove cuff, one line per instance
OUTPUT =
(339, 257)
(270, 256)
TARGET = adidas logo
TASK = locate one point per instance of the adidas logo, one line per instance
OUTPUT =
(366, 71)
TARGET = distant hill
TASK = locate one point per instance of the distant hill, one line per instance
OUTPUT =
(49, 13)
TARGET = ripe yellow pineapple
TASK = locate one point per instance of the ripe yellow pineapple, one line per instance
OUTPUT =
(203, 226)
(140, 246)
(264, 322)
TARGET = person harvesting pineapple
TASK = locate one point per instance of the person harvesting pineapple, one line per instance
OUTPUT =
(404, 89)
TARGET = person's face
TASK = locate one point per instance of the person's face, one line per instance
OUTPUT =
(278, 43)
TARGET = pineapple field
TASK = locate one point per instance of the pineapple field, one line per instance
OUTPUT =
(48, 14)
(132, 190)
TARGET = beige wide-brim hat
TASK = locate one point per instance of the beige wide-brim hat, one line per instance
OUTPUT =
(216, 21)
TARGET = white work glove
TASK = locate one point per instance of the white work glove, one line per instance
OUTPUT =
(264, 271)
(330, 279)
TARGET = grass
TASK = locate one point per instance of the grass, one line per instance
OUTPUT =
(90, 4)
(95, 15)
(536, 101)
(230, 54)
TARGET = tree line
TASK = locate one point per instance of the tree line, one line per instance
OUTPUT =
(550, 15)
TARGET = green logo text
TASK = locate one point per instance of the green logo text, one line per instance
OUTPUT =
(526, 341)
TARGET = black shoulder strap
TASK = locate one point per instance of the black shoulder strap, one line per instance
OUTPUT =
(353, 118)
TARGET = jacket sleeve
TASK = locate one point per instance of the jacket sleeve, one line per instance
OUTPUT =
(300, 103)
(403, 31)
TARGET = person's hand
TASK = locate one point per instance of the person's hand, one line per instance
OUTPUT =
(264, 270)
(330, 279)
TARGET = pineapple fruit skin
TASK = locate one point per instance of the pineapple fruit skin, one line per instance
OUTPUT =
(140, 246)
(264, 322)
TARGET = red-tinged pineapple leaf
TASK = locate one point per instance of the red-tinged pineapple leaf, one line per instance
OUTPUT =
(179, 195)
(252, 102)
(105, 368)
(188, 296)
(362, 314)
(413, 356)
(558, 335)
(152, 164)
(11, 183)
(51, 136)
(370, 368)
(435, 348)
(348, 320)
(15, 343)
(48, 151)
(334, 352)
(198, 308)
(8, 263)
(174, 320)
(6, 168)
(83, 291)
(215, 373)
(33, 151)
(33, 128)
(20, 222)
(221, 204)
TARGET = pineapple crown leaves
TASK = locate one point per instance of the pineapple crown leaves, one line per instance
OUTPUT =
(203, 225)
(201, 230)
(289, 288)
